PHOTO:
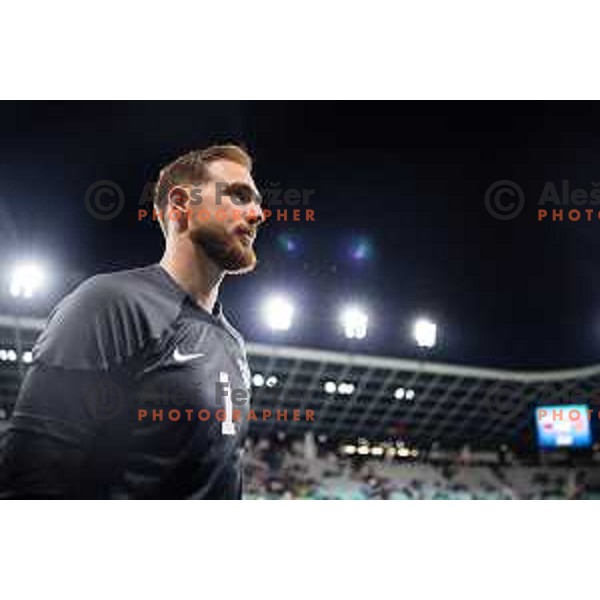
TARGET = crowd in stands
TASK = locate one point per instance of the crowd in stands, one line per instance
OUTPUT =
(278, 468)
(281, 468)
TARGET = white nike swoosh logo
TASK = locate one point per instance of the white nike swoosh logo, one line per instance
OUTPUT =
(185, 357)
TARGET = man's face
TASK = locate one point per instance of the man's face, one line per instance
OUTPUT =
(224, 216)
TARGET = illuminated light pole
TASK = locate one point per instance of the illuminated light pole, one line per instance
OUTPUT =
(355, 322)
(26, 280)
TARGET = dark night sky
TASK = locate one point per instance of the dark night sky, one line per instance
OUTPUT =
(407, 177)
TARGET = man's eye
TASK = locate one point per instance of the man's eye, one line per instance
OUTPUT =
(242, 195)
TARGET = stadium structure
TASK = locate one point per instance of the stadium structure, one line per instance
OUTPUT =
(411, 419)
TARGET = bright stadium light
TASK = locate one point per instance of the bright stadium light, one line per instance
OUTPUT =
(278, 313)
(26, 279)
(355, 322)
(271, 381)
(425, 333)
(330, 387)
(345, 388)
(399, 393)
(258, 380)
(410, 394)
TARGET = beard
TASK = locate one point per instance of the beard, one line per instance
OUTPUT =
(225, 249)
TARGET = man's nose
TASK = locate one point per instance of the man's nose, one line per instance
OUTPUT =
(255, 215)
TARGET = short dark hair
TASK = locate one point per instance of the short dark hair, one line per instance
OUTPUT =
(191, 168)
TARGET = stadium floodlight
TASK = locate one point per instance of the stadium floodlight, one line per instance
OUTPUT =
(403, 452)
(27, 357)
(271, 381)
(258, 380)
(345, 388)
(26, 279)
(278, 313)
(425, 333)
(377, 451)
(355, 322)
(330, 387)
(349, 449)
(399, 393)
(362, 450)
(410, 394)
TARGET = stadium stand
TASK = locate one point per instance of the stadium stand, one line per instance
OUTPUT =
(274, 470)
(386, 428)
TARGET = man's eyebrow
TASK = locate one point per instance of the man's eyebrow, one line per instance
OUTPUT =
(242, 184)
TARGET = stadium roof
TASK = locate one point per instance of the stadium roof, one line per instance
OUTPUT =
(452, 404)
(381, 397)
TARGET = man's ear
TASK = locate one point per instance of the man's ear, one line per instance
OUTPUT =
(178, 198)
(178, 206)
